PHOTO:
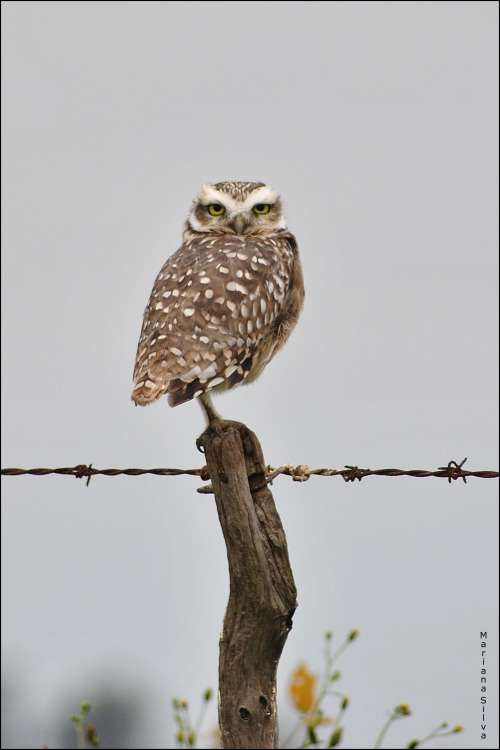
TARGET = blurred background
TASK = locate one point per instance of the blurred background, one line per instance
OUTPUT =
(378, 123)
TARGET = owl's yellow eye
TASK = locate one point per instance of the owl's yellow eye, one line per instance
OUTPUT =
(216, 209)
(262, 208)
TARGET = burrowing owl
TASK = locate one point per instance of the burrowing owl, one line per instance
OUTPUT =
(225, 302)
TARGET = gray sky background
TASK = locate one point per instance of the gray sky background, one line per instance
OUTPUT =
(378, 124)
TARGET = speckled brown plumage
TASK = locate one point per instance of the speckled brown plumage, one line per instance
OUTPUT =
(224, 303)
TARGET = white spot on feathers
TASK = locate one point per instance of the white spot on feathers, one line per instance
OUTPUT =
(233, 286)
(215, 381)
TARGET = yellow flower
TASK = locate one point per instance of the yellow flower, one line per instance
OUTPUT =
(402, 710)
(302, 688)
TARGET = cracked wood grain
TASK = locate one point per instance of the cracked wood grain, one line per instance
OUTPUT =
(262, 597)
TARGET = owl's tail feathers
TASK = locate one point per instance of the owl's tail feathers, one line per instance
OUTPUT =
(181, 391)
(146, 391)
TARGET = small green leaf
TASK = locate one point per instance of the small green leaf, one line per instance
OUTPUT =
(336, 737)
(92, 736)
(313, 737)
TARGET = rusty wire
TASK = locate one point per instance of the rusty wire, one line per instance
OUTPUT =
(300, 473)
(453, 470)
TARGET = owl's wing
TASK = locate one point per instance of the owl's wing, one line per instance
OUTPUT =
(213, 305)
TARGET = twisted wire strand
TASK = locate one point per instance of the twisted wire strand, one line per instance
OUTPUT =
(300, 473)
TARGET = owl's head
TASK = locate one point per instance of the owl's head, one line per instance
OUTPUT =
(236, 208)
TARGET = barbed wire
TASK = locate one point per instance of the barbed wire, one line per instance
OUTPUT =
(300, 473)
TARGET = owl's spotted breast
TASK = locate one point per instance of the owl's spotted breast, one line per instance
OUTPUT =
(209, 322)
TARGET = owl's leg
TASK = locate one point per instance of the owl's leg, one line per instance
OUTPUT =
(209, 410)
(215, 423)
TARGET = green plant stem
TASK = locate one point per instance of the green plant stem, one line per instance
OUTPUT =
(325, 681)
(330, 659)
(182, 727)
(199, 720)
(436, 734)
(337, 721)
(80, 734)
(384, 731)
(341, 648)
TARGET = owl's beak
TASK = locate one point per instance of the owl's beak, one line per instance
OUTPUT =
(239, 224)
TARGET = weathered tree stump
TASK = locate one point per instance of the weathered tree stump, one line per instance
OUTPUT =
(262, 597)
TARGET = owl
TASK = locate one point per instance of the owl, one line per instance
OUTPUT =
(225, 303)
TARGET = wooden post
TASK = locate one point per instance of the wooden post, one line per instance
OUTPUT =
(262, 597)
